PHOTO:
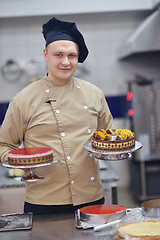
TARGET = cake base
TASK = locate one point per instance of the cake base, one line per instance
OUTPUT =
(113, 146)
(31, 161)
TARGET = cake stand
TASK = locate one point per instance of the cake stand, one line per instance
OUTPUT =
(112, 155)
(32, 177)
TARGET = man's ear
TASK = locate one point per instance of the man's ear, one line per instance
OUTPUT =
(45, 54)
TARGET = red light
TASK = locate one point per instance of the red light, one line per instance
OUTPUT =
(129, 96)
(130, 112)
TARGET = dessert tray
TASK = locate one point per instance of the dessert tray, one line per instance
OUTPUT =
(32, 176)
(112, 155)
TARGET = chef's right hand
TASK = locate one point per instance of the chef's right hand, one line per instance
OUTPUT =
(5, 158)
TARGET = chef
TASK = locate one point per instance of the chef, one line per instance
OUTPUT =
(61, 112)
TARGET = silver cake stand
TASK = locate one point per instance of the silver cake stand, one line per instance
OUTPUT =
(32, 177)
(112, 155)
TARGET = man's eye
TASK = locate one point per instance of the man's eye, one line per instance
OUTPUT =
(72, 55)
(58, 55)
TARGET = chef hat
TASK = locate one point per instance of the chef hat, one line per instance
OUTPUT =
(55, 30)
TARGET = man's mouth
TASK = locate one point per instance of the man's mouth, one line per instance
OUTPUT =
(64, 69)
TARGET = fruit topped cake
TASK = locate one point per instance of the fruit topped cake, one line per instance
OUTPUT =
(113, 140)
(28, 156)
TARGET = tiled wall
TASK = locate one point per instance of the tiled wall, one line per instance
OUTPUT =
(21, 40)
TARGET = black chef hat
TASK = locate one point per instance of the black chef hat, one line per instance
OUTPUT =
(55, 30)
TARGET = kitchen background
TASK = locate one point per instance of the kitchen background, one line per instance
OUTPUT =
(106, 25)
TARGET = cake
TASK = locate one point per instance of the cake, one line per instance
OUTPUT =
(29, 156)
(147, 230)
(113, 140)
(102, 213)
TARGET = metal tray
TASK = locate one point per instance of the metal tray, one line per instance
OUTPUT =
(101, 214)
(151, 208)
(17, 221)
(32, 177)
(112, 155)
(8, 165)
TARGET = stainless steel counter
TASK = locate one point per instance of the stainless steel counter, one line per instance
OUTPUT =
(7, 182)
(59, 227)
(50, 227)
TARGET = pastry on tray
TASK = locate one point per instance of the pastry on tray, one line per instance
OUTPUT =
(113, 140)
(147, 230)
(30, 156)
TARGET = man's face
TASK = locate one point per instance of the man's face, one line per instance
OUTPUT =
(62, 58)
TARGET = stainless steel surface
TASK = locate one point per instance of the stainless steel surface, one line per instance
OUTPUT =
(8, 165)
(57, 226)
(110, 229)
(3, 223)
(62, 227)
(146, 119)
(151, 208)
(146, 125)
(146, 37)
(7, 182)
(17, 221)
(98, 219)
(143, 180)
(112, 155)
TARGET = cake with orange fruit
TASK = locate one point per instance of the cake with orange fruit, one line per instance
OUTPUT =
(113, 140)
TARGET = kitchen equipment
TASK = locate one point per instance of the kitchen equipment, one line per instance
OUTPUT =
(17, 221)
(112, 155)
(2, 223)
(146, 118)
(145, 123)
(107, 225)
(100, 214)
(11, 71)
(151, 208)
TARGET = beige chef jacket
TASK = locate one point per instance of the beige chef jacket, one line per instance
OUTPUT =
(63, 118)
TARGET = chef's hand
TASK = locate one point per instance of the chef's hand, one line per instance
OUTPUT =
(5, 158)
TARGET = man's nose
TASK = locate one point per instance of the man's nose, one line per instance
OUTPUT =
(65, 61)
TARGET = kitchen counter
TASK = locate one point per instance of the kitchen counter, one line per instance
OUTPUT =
(12, 195)
(8, 182)
(56, 226)
(49, 227)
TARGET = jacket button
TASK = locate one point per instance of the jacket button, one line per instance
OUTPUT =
(72, 181)
(85, 107)
(57, 111)
(89, 130)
